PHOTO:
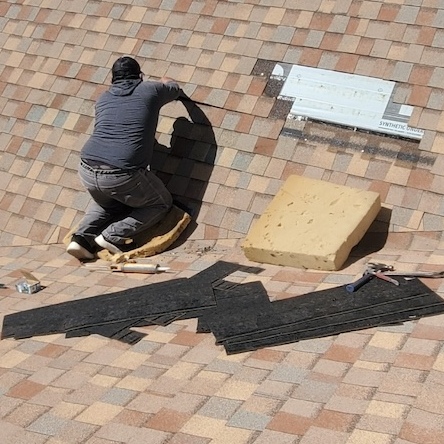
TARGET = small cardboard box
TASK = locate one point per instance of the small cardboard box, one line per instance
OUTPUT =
(28, 283)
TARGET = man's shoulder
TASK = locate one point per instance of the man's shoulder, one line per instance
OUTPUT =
(158, 85)
(149, 84)
(148, 87)
(165, 92)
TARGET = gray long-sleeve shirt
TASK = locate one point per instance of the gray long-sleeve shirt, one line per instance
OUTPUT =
(126, 122)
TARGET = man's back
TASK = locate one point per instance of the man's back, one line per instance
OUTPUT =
(126, 121)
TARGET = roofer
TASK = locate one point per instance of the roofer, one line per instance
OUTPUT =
(127, 198)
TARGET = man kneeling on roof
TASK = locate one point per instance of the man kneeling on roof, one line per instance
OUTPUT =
(127, 198)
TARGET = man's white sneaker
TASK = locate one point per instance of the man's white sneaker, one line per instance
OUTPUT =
(102, 242)
(76, 250)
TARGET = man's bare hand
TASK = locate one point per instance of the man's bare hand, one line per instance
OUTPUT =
(166, 80)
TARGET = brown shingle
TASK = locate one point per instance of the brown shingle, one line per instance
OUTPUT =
(388, 12)
(421, 74)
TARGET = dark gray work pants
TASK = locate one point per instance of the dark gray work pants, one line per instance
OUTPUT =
(123, 203)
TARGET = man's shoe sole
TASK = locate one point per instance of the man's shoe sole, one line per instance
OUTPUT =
(102, 242)
(76, 250)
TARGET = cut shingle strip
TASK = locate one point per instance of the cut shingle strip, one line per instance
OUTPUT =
(156, 299)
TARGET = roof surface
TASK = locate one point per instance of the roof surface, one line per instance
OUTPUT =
(226, 160)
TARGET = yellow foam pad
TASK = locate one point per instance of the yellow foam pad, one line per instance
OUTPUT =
(161, 236)
(311, 224)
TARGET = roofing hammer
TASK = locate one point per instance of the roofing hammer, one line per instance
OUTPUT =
(374, 269)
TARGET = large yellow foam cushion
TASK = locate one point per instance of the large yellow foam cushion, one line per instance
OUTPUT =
(311, 224)
(160, 237)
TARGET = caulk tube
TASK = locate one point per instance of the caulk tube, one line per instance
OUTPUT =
(138, 268)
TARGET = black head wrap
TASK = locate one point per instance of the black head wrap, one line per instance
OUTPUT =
(125, 68)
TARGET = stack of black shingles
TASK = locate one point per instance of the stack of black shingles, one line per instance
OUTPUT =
(240, 316)
(323, 313)
(113, 315)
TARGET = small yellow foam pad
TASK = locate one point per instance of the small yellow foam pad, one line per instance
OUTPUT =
(161, 236)
(311, 224)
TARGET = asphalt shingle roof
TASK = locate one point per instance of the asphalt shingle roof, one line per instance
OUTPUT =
(381, 385)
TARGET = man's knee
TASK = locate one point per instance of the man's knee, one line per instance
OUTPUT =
(169, 202)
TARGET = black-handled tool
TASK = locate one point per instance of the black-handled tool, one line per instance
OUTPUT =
(373, 270)
(359, 283)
